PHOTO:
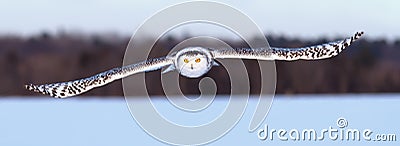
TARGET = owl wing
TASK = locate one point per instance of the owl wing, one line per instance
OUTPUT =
(72, 88)
(321, 51)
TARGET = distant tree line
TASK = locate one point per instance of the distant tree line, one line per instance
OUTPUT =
(368, 66)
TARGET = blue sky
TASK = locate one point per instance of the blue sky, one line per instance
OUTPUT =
(308, 18)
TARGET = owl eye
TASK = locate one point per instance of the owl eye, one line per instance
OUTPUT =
(186, 60)
(197, 60)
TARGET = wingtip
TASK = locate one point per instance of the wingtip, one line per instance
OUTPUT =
(30, 87)
(33, 88)
(357, 35)
(36, 88)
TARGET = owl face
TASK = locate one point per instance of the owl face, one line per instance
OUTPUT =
(193, 62)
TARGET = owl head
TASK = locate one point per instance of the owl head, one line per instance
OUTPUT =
(193, 62)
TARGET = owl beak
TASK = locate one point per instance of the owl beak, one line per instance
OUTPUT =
(191, 66)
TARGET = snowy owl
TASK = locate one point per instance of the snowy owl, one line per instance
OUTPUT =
(193, 62)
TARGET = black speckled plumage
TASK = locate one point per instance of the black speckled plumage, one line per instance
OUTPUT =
(288, 54)
(72, 88)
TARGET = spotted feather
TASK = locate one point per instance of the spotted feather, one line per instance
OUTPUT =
(192, 69)
(289, 54)
(73, 88)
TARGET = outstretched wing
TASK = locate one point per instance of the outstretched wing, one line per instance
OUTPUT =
(72, 88)
(307, 53)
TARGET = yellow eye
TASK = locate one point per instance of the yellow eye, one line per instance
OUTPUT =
(197, 60)
(186, 60)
